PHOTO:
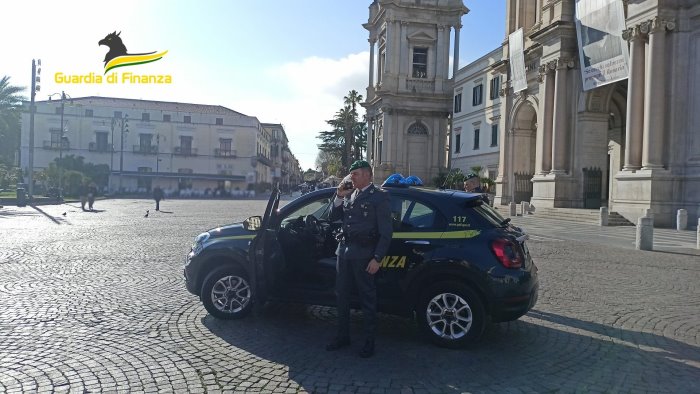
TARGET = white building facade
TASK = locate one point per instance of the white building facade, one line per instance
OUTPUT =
(476, 121)
(186, 149)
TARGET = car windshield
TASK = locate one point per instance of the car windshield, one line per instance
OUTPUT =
(315, 208)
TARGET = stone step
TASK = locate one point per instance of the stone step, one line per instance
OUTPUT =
(591, 216)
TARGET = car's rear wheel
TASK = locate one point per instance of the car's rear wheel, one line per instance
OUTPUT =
(451, 315)
(226, 293)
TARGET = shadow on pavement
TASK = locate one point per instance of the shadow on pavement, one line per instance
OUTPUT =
(517, 355)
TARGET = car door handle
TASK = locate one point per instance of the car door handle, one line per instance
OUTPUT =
(417, 242)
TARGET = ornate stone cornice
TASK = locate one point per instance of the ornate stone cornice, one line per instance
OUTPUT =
(564, 62)
(633, 33)
(659, 24)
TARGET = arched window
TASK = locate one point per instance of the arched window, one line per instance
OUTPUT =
(418, 128)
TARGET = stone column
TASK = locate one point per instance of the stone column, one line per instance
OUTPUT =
(560, 134)
(371, 62)
(440, 52)
(388, 50)
(543, 163)
(371, 135)
(635, 99)
(455, 57)
(654, 97)
(396, 47)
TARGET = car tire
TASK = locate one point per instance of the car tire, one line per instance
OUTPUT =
(451, 315)
(227, 293)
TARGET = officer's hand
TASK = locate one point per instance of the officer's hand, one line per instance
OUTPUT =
(373, 266)
(341, 192)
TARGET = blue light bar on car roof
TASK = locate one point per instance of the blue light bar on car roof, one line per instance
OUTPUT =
(397, 180)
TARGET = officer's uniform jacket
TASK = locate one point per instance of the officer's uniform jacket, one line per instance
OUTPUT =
(367, 225)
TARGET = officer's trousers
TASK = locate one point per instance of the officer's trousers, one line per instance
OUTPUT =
(351, 273)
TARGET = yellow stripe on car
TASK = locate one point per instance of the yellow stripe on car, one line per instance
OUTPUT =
(438, 235)
(248, 236)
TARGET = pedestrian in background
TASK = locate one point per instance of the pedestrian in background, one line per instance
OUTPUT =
(472, 184)
(83, 191)
(92, 193)
(158, 195)
(366, 235)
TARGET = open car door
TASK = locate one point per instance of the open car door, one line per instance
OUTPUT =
(265, 254)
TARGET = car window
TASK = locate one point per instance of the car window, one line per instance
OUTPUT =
(314, 208)
(411, 215)
(487, 213)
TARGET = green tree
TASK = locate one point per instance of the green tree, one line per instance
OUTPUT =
(328, 162)
(351, 101)
(10, 110)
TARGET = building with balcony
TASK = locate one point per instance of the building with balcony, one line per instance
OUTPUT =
(280, 155)
(178, 146)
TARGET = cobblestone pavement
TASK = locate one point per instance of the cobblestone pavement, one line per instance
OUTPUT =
(665, 239)
(96, 302)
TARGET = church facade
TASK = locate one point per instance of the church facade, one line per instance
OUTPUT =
(632, 145)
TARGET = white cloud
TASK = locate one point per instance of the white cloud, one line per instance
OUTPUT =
(311, 91)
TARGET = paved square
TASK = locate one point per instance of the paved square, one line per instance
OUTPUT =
(96, 302)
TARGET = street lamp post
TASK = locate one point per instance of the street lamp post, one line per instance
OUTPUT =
(124, 125)
(35, 88)
(60, 142)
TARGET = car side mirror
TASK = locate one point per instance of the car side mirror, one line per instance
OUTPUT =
(253, 223)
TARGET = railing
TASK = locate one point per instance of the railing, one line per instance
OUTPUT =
(185, 151)
(264, 160)
(420, 85)
(225, 153)
(55, 145)
(146, 149)
(95, 147)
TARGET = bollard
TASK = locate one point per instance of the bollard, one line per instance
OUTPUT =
(512, 208)
(681, 220)
(698, 237)
(523, 208)
(603, 220)
(645, 234)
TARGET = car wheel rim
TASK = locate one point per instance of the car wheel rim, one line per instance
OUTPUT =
(449, 316)
(230, 294)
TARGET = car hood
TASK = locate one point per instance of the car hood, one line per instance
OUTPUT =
(231, 230)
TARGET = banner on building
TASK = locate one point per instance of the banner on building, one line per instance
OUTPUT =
(602, 50)
(517, 60)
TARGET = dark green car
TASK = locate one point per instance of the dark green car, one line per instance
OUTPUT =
(454, 263)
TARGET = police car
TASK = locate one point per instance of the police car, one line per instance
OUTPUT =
(454, 263)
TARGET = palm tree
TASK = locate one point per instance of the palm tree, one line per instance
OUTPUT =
(350, 102)
(10, 108)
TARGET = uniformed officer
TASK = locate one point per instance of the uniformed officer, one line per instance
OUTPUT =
(472, 184)
(366, 235)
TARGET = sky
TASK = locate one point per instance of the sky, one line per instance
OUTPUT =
(288, 62)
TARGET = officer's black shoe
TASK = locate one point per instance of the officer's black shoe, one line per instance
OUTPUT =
(338, 343)
(368, 349)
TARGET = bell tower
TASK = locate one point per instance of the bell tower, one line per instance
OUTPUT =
(409, 97)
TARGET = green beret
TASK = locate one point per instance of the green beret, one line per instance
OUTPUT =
(359, 164)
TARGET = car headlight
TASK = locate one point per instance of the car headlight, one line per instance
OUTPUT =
(199, 241)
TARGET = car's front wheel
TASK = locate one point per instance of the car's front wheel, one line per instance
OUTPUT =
(226, 293)
(451, 315)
